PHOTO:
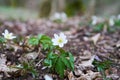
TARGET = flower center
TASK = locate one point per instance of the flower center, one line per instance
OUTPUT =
(8, 36)
(60, 40)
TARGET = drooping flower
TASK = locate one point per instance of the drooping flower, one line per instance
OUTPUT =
(59, 40)
(8, 35)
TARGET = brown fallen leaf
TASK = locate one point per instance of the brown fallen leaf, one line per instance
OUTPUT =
(71, 76)
(88, 63)
(90, 75)
(94, 38)
(32, 55)
(4, 67)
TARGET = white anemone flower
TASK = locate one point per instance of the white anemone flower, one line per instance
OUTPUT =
(63, 16)
(8, 35)
(59, 40)
(94, 20)
(111, 21)
(48, 77)
(118, 17)
(59, 16)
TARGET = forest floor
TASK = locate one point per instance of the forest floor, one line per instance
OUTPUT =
(84, 43)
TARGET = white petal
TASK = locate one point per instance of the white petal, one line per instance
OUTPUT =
(56, 36)
(13, 37)
(62, 35)
(10, 34)
(61, 45)
(3, 34)
(65, 41)
(54, 42)
(94, 22)
(94, 17)
(111, 22)
(57, 15)
(6, 31)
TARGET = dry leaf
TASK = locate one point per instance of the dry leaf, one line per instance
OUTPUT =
(118, 44)
(4, 67)
(90, 75)
(95, 38)
(71, 76)
(88, 63)
(86, 55)
(32, 55)
(86, 39)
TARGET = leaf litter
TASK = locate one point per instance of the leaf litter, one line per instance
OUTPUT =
(84, 44)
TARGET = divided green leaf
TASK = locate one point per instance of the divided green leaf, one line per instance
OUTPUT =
(2, 40)
(33, 41)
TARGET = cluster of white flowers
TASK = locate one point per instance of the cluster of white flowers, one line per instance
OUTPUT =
(59, 40)
(111, 20)
(59, 16)
(8, 35)
(96, 20)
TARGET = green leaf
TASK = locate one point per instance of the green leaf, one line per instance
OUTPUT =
(33, 41)
(64, 54)
(2, 40)
(25, 65)
(102, 66)
(34, 73)
(29, 68)
(51, 55)
(48, 62)
(39, 36)
(45, 41)
(117, 23)
(66, 62)
(44, 38)
(51, 59)
(60, 67)
(98, 27)
(71, 60)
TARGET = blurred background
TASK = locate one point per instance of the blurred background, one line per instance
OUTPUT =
(27, 9)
